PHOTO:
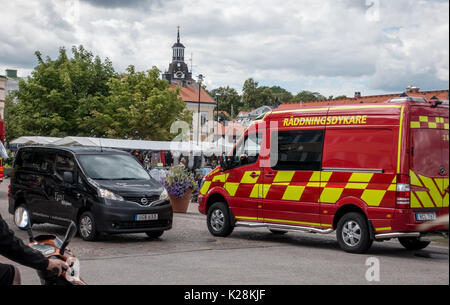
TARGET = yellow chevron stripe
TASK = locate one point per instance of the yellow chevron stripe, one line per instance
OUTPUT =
(434, 191)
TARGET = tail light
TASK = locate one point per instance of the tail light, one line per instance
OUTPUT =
(403, 194)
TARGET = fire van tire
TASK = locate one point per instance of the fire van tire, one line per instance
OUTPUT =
(353, 233)
(412, 243)
(218, 220)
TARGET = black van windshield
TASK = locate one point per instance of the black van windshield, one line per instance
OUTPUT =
(112, 167)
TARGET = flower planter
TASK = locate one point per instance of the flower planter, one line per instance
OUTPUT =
(180, 205)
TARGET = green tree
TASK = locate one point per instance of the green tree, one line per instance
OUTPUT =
(254, 96)
(140, 106)
(58, 92)
(306, 96)
(228, 99)
(282, 94)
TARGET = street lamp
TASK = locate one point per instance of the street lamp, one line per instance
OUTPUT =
(200, 80)
(218, 94)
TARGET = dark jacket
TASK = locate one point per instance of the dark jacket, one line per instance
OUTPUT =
(14, 249)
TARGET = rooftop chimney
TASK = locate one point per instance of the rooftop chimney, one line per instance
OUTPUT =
(11, 73)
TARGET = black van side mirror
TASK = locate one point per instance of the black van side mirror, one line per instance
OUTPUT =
(68, 177)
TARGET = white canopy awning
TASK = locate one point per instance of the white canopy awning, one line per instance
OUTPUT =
(205, 148)
(35, 140)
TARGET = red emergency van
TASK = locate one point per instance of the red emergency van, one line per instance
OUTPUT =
(369, 172)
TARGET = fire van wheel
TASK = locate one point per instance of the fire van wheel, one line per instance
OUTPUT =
(218, 220)
(412, 243)
(353, 233)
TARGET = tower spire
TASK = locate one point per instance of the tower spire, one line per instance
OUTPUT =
(178, 34)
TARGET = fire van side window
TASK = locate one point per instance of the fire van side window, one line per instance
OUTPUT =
(297, 150)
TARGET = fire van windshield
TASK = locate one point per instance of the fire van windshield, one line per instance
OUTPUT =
(112, 167)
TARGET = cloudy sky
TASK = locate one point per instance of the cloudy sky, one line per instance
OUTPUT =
(332, 46)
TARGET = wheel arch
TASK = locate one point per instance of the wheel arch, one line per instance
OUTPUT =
(355, 208)
(218, 197)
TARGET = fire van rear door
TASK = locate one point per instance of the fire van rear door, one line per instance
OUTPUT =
(428, 162)
(445, 165)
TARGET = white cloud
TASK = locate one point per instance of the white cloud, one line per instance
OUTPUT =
(334, 47)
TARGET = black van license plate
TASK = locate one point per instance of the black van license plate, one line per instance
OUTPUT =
(425, 216)
(146, 217)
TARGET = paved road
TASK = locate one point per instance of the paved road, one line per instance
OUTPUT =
(189, 255)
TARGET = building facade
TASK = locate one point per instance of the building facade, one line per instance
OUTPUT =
(8, 83)
(191, 91)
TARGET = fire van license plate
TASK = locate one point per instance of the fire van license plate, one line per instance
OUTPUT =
(425, 216)
(146, 217)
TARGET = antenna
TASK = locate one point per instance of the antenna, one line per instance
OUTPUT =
(191, 60)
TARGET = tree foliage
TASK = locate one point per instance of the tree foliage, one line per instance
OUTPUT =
(254, 96)
(84, 96)
(308, 96)
(228, 99)
(58, 92)
(140, 106)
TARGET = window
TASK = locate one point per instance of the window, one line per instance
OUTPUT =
(247, 150)
(36, 160)
(297, 150)
(64, 164)
(112, 167)
(203, 118)
(44, 161)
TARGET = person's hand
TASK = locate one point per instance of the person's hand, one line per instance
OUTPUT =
(57, 264)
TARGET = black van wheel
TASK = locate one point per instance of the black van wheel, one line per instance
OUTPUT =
(87, 227)
(22, 218)
(154, 234)
(218, 220)
(413, 243)
(353, 233)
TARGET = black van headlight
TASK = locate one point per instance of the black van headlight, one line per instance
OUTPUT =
(164, 195)
(107, 194)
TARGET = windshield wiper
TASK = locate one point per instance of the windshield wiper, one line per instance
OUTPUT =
(126, 178)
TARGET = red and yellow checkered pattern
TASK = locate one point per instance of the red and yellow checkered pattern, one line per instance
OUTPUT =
(374, 189)
(425, 122)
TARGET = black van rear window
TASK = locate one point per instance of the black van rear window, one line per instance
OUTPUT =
(36, 160)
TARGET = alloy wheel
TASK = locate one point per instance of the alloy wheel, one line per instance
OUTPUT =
(86, 226)
(217, 220)
(351, 233)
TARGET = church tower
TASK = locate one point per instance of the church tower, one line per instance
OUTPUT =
(178, 72)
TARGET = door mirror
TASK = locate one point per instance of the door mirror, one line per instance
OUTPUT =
(68, 177)
(71, 231)
(224, 162)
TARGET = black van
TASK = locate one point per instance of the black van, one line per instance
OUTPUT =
(102, 190)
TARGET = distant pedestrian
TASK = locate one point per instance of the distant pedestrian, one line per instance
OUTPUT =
(183, 163)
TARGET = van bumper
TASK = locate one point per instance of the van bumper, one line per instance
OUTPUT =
(202, 204)
(110, 218)
(424, 236)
